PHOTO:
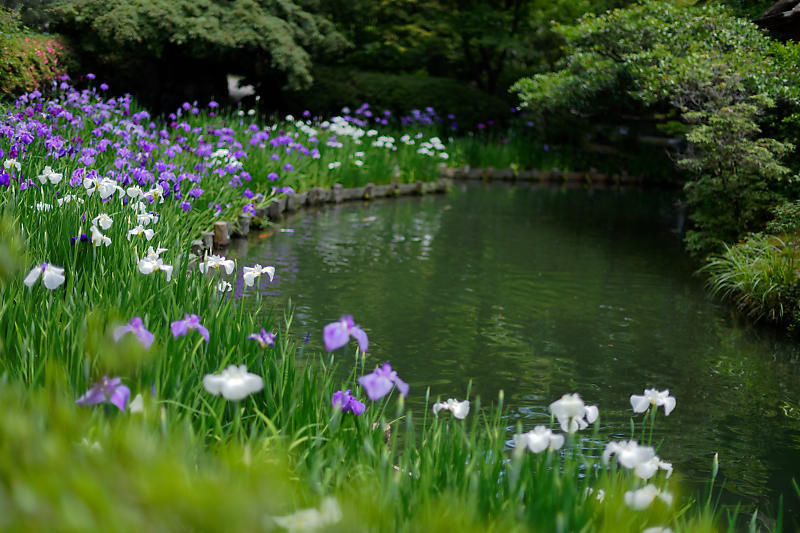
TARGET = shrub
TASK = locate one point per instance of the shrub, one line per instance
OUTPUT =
(787, 218)
(760, 276)
(27, 60)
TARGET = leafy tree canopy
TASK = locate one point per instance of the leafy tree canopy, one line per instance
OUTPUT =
(277, 34)
(480, 41)
(717, 74)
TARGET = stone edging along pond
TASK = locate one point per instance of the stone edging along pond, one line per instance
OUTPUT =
(224, 231)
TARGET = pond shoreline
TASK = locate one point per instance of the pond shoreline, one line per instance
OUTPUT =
(590, 177)
(224, 231)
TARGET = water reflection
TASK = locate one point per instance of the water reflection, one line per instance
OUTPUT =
(542, 291)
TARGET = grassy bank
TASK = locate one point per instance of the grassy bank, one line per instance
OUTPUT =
(759, 275)
(121, 408)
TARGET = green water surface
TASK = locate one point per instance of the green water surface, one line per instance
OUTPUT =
(541, 291)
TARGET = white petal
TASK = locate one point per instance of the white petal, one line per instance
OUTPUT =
(146, 266)
(53, 277)
(460, 409)
(213, 383)
(249, 278)
(639, 403)
(647, 469)
(663, 465)
(270, 272)
(592, 413)
(665, 497)
(137, 405)
(32, 276)
(167, 271)
(642, 498)
(556, 442)
(537, 442)
(669, 405)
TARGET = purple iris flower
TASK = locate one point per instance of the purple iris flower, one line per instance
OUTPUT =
(380, 383)
(181, 327)
(336, 334)
(265, 338)
(136, 327)
(344, 400)
(106, 390)
(80, 238)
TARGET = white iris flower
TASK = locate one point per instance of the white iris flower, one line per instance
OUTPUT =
(52, 276)
(103, 220)
(572, 413)
(98, 239)
(140, 230)
(653, 397)
(234, 383)
(49, 175)
(251, 273)
(459, 409)
(538, 440)
(152, 262)
(215, 262)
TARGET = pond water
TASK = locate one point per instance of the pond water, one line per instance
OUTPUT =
(541, 291)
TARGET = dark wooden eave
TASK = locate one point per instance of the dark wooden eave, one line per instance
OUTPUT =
(782, 20)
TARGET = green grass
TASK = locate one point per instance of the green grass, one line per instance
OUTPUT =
(759, 275)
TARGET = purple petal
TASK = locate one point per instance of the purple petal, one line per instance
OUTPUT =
(93, 396)
(179, 328)
(402, 386)
(121, 331)
(145, 337)
(359, 335)
(203, 331)
(335, 335)
(376, 386)
(357, 407)
(338, 400)
(120, 397)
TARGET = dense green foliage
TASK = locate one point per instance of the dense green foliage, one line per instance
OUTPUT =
(400, 93)
(185, 48)
(485, 43)
(701, 72)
